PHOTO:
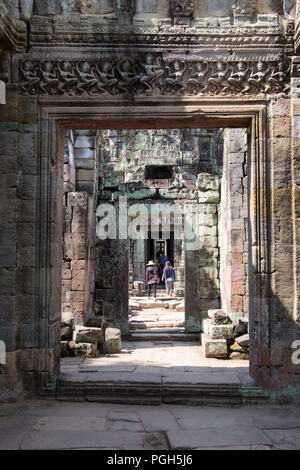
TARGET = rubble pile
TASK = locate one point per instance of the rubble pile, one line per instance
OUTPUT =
(223, 338)
(88, 341)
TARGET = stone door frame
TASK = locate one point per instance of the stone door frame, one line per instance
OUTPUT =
(57, 115)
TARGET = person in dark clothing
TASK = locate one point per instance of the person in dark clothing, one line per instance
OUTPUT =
(159, 271)
(152, 278)
(169, 277)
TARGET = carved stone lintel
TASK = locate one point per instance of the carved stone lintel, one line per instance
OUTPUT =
(156, 74)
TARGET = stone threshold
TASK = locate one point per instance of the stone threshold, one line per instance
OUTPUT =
(156, 390)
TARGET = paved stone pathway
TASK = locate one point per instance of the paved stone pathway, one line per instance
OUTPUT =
(166, 361)
(52, 425)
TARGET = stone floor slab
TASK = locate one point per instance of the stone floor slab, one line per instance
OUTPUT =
(158, 420)
(216, 437)
(55, 440)
(69, 423)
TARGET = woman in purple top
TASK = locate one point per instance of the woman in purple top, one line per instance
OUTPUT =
(169, 277)
(152, 278)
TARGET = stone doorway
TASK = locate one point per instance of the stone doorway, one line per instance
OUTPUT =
(201, 172)
(239, 115)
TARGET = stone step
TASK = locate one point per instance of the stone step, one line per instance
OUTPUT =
(138, 325)
(148, 390)
(161, 335)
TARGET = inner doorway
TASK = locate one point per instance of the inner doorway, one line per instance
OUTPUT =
(192, 169)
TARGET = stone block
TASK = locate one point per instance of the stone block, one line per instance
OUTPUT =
(239, 355)
(84, 334)
(208, 197)
(221, 331)
(240, 327)
(66, 274)
(281, 127)
(76, 308)
(214, 348)
(26, 145)
(112, 341)
(78, 264)
(243, 340)
(207, 182)
(77, 283)
(218, 317)
(75, 246)
(237, 348)
(237, 303)
(83, 349)
(8, 143)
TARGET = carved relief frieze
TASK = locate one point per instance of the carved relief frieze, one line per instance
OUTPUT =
(156, 74)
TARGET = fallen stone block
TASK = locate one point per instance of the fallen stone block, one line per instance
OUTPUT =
(214, 348)
(112, 341)
(83, 349)
(240, 327)
(239, 355)
(235, 347)
(243, 340)
(166, 305)
(221, 331)
(219, 317)
(84, 334)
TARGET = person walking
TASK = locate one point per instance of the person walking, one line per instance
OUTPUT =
(169, 277)
(152, 278)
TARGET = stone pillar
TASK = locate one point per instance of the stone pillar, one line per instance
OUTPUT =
(233, 225)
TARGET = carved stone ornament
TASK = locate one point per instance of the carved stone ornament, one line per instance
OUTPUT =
(155, 74)
(182, 7)
(244, 7)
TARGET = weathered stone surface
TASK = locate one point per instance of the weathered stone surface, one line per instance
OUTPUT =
(240, 327)
(243, 340)
(112, 341)
(218, 317)
(214, 347)
(239, 355)
(84, 349)
(235, 347)
(87, 334)
(221, 331)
